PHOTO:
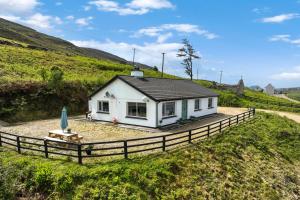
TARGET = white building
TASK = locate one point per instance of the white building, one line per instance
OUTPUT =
(269, 89)
(150, 102)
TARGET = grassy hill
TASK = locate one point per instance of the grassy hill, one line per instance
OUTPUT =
(257, 160)
(294, 95)
(32, 39)
(24, 84)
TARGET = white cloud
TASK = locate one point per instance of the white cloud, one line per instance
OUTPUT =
(285, 38)
(58, 3)
(164, 30)
(150, 4)
(10, 7)
(261, 10)
(24, 12)
(135, 7)
(86, 8)
(83, 21)
(148, 53)
(70, 17)
(289, 75)
(163, 37)
(37, 21)
(280, 18)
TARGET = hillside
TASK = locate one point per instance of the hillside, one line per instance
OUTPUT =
(36, 40)
(25, 74)
(294, 94)
(256, 160)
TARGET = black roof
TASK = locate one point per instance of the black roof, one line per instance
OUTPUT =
(164, 89)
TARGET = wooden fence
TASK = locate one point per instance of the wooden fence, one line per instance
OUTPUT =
(121, 148)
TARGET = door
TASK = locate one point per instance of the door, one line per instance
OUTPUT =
(184, 109)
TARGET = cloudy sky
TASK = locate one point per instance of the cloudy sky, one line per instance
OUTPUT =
(256, 39)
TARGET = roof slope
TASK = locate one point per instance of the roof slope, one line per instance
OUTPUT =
(163, 89)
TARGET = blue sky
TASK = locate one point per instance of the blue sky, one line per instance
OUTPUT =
(256, 39)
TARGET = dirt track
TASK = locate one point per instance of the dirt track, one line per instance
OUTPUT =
(233, 111)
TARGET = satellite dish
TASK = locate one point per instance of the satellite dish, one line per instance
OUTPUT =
(145, 99)
(107, 94)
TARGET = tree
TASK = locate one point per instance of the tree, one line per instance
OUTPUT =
(56, 78)
(188, 53)
(155, 68)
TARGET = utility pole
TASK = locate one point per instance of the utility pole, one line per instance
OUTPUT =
(221, 74)
(162, 64)
(197, 74)
(133, 57)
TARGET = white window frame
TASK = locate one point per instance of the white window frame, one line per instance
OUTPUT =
(212, 103)
(163, 107)
(199, 105)
(136, 116)
(100, 110)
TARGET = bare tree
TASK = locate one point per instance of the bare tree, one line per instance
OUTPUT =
(188, 53)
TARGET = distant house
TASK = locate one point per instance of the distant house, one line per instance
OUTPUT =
(150, 102)
(269, 89)
(238, 88)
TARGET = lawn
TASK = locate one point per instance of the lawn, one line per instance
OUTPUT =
(256, 160)
(294, 95)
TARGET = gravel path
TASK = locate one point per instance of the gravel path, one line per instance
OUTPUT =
(102, 131)
(286, 97)
(229, 110)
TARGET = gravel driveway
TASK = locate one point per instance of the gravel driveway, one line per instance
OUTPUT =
(102, 131)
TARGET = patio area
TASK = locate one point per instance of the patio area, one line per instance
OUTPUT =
(104, 131)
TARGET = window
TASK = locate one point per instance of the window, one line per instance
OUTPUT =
(197, 105)
(103, 106)
(136, 110)
(168, 109)
(210, 102)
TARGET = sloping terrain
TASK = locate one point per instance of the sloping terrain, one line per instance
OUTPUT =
(36, 40)
(259, 159)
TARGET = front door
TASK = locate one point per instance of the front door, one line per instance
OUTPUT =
(184, 109)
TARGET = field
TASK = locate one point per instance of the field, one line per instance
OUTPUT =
(294, 95)
(257, 160)
(23, 65)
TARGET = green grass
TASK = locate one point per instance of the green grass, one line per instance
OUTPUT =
(21, 65)
(257, 160)
(294, 95)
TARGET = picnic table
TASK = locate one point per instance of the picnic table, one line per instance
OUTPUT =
(65, 136)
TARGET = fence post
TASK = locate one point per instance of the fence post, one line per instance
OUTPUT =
(190, 136)
(220, 126)
(0, 140)
(18, 144)
(46, 148)
(164, 143)
(208, 130)
(229, 121)
(79, 154)
(253, 111)
(237, 119)
(249, 114)
(125, 150)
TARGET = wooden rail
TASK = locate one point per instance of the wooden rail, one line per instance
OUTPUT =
(119, 147)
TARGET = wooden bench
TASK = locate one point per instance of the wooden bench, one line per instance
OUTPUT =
(54, 139)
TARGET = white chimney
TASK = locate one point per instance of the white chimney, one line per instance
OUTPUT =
(136, 72)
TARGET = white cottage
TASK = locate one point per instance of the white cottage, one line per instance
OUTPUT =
(151, 102)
